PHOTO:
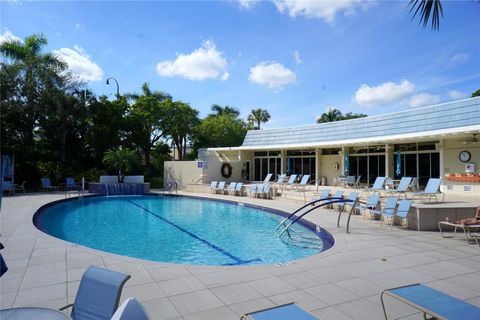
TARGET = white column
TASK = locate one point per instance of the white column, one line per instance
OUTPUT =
(283, 165)
(317, 164)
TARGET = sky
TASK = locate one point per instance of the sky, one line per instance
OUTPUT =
(294, 58)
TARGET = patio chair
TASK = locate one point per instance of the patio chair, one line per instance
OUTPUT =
(432, 302)
(47, 185)
(350, 182)
(259, 190)
(280, 178)
(414, 184)
(432, 189)
(220, 188)
(371, 205)
(377, 185)
(402, 187)
(303, 182)
(265, 192)
(20, 187)
(267, 178)
(338, 194)
(353, 197)
(470, 227)
(231, 188)
(7, 186)
(401, 211)
(289, 311)
(357, 182)
(389, 184)
(291, 180)
(130, 309)
(98, 294)
(322, 195)
(253, 189)
(70, 184)
(388, 208)
(213, 186)
(238, 189)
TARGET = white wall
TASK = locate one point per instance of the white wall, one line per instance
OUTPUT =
(181, 171)
(327, 163)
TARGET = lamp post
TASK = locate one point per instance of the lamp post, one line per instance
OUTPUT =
(118, 88)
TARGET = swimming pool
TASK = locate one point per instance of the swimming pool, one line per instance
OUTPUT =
(180, 229)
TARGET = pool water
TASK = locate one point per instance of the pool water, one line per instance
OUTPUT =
(179, 229)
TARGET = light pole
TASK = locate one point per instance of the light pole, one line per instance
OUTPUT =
(118, 88)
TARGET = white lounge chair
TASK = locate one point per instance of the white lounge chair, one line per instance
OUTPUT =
(253, 189)
(231, 188)
(238, 189)
(291, 180)
(220, 188)
(431, 190)
(213, 186)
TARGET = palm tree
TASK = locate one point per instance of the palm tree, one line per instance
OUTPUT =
(425, 8)
(258, 116)
(332, 114)
(147, 92)
(120, 159)
(219, 110)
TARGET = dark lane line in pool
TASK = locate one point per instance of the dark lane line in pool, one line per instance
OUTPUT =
(237, 260)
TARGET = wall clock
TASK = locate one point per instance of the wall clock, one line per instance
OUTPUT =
(464, 156)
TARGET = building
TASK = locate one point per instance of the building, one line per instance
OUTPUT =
(436, 141)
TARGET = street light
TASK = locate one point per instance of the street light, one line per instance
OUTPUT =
(118, 88)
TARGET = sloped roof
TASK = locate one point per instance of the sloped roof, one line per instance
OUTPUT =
(452, 117)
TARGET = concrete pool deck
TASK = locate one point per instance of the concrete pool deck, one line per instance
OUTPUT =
(343, 282)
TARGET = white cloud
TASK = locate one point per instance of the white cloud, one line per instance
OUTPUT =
(79, 26)
(296, 57)
(271, 74)
(423, 99)
(8, 36)
(326, 10)
(460, 57)
(457, 95)
(79, 62)
(246, 4)
(203, 63)
(384, 93)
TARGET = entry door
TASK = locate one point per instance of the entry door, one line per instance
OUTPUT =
(247, 170)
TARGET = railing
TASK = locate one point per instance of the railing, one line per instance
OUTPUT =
(324, 202)
(170, 185)
(197, 179)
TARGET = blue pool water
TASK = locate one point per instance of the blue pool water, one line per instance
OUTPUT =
(179, 230)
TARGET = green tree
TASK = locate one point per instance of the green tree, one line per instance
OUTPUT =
(121, 160)
(258, 116)
(426, 9)
(146, 121)
(476, 93)
(225, 130)
(183, 120)
(218, 110)
(333, 114)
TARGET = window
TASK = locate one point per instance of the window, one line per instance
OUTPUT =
(331, 151)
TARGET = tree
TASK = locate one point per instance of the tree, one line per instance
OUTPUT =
(427, 8)
(476, 93)
(225, 130)
(183, 121)
(333, 114)
(146, 121)
(218, 110)
(120, 159)
(258, 116)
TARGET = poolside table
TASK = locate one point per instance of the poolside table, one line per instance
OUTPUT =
(28, 313)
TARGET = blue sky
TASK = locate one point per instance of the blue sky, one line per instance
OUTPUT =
(292, 58)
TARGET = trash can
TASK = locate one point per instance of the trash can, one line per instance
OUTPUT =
(323, 181)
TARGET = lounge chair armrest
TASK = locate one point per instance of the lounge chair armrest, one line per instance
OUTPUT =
(67, 306)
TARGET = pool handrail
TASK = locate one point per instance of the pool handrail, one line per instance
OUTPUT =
(326, 202)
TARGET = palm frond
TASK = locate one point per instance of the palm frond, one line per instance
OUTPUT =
(426, 9)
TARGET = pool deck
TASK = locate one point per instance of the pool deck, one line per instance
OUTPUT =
(343, 282)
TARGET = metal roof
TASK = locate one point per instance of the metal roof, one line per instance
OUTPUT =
(447, 118)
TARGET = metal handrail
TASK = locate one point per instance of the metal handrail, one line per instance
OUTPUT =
(326, 201)
(197, 179)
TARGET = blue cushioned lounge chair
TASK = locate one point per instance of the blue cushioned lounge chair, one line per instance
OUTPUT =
(402, 187)
(98, 294)
(238, 189)
(322, 195)
(7, 186)
(401, 212)
(377, 185)
(213, 186)
(432, 302)
(289, 311)
(369, 206)
(388, 209)
(231, 188)
(131, 309)
(431, 190)
(47, 185)
(220, 188)
(70, 184)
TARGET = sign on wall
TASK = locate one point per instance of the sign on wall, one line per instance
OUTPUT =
(470, 167)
